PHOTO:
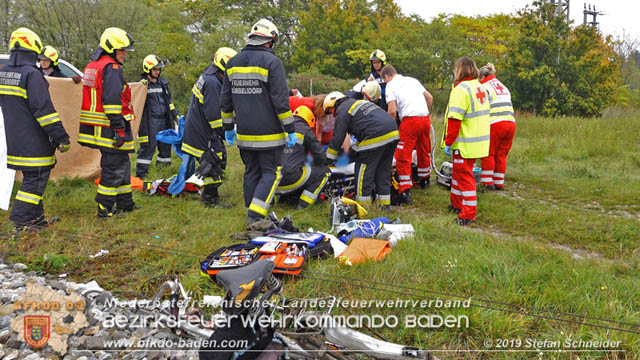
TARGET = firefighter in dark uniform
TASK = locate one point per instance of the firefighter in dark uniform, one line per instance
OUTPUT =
(49, 59)
(32, 125)
(255, 88)
(159, 114)
(378, 60)
(297, 177)
(203, 128)
(105, 117)
(377, 135)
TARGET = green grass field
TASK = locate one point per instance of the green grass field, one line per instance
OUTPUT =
(564, 236)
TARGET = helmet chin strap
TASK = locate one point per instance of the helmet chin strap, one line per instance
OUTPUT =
(154, 77)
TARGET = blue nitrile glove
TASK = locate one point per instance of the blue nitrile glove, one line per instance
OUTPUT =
(308, 160)
(291, 141)
(343, 160)
(447, 150)
(230, 136)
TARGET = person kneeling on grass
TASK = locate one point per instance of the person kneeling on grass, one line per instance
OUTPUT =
(296, 175)
(377, 135)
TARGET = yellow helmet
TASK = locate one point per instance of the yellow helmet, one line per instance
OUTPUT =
(372, 91)
(264, 29)
(222, 56)
(114, 38)
(378, 55)
(330, 100)
(305, 113)
(24, 38)
(49, 52)
(150, 62)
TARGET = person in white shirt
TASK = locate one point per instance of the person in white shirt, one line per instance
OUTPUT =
(407, 98)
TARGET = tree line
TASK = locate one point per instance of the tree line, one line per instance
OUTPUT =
(551, 68)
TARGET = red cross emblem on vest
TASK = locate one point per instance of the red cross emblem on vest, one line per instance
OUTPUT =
(499, 88)
(480, 95)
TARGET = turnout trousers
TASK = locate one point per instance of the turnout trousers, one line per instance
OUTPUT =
(262, 174)
(210, 185)
(28, 209)
(414, 134)
(463, 187)
(373, 168)
(115, 181)
(494, 166)
(148, 148)
(310, 180)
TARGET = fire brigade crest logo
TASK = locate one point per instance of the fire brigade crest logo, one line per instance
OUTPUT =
(37, 330)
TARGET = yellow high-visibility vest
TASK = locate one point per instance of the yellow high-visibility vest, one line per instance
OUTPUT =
(469, 102)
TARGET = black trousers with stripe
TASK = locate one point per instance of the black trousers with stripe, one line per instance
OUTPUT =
(261, 178)
(28, 208)
(309, 190)
(373, 169)
(115, 181)
(148, 148)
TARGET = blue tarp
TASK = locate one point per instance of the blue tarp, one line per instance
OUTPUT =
(188, 165)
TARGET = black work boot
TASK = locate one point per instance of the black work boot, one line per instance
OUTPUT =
(213, 202)
(301, 205)
(103, 212)
(424, 182)
(405, 197)
(464, 222)
(131, 208)
(454, 210)
(484, 188)
(251, 219)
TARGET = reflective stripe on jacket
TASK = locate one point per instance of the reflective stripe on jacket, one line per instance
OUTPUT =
(295, 157)
(469, 103)
(372, 126)
(105, 106)
(203, 119)
(170, 112)
(499, 99)
(33, 127)
(255, 90)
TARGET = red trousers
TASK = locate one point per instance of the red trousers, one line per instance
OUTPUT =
(494, 166)
(463, 187)
(414, 134)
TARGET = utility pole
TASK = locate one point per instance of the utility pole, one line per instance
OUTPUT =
(594, 14)
(562, 8)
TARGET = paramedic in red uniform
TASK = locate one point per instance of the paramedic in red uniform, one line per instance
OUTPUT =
(466, 137)
(503, 129)
(411, 101)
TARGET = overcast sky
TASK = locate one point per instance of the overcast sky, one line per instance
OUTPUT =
(620, 14)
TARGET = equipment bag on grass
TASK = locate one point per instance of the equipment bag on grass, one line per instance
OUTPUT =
(289, 258)
(229, 257)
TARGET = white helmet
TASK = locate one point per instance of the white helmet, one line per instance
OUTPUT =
(330, 101)
(372, 91)
(262, 32)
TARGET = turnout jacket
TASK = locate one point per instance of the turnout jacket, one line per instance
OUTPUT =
(203, 118)
(294, 158)
(255, 88)
(372, 126)
(153, 93)
(32, 125)
(105, 106)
